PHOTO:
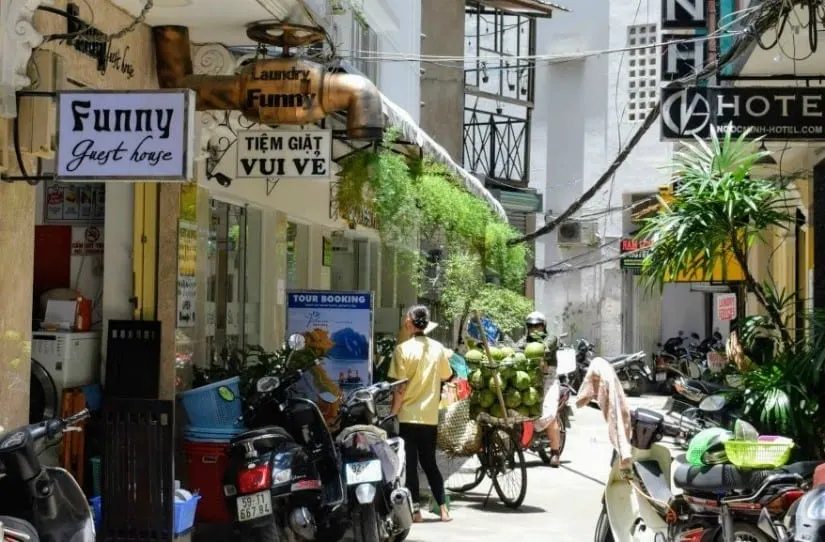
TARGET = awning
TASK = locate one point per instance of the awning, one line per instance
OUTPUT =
(530, 8)
(411, 132)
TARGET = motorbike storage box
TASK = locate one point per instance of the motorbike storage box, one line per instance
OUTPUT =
(646, 428)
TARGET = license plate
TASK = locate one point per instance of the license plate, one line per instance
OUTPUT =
(363, 472)
(661, 377)
(254, 506)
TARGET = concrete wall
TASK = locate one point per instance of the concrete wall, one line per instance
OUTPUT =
(442, 86)
(579, 121)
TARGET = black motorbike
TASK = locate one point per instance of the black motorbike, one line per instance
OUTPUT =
(584, 352)
(374, 463)
(633, 372)
(37, 502)
(283, 480)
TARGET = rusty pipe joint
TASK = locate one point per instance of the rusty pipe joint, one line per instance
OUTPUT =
(272, 91)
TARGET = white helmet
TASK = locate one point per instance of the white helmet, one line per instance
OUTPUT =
(535, 318)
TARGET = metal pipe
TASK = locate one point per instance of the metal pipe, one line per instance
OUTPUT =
(335, 91)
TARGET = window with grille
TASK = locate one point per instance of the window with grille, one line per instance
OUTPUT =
(365, 44)
(641, 67)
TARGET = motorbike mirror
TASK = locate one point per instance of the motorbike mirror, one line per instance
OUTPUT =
(766, 525)
(713, 403)
(328, 397)
(267, 384)
(695, 335)
(296, 341)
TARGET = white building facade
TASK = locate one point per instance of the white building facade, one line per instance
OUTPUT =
(587, 108)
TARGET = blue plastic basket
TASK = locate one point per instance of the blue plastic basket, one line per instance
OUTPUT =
(94, 396)
(205, 406)
(211, 434)
(184, 513)
(95, 504)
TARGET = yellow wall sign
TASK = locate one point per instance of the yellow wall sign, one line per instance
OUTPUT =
(725, 270)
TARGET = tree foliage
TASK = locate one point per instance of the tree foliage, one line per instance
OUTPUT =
(419, 199)
(719, 209)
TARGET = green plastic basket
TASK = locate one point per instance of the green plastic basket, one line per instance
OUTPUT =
(97, 483)
(759, 455)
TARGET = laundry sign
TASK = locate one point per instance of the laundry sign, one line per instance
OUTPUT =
(726, 307)
(267, 154)
(140, 136)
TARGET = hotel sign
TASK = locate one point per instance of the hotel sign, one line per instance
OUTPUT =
(777, 113)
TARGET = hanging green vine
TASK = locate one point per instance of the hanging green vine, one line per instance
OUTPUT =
(412, 199)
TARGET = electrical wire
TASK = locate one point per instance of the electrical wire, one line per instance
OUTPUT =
(550, 58)
(763, 19)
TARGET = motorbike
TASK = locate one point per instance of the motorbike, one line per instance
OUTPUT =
(283, 481)
(584, 353)
(667, 499)
(37, 502)
(805, 519)
(633, 372)
(374, 464)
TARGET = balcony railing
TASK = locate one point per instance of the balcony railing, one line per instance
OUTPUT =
(496, 146)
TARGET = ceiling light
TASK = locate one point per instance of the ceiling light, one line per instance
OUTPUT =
(766, 160)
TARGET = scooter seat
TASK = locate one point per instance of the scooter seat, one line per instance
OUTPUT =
(616, 359)
(729, 477)
(277, 433)
(708, 388)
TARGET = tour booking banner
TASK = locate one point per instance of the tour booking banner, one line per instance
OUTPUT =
(338, 326)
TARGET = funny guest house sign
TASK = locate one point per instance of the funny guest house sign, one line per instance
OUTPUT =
(140, 136)
(284, 154)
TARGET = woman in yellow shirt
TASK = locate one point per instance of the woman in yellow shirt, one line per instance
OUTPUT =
(424, 362)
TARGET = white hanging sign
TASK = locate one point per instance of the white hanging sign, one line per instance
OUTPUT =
(125, 135)
(270, 154)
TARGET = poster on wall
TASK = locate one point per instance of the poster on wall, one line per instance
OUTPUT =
(726, 307)
(284, 153)
(74, 204)
(339, 325)
(187, 262)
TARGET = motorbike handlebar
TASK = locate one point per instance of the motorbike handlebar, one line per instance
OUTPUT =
(51, 428)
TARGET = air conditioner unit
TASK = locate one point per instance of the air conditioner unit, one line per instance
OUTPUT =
(341, 243)
(576, 232)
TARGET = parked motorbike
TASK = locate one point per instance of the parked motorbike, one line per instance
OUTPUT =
(584, 353)
(805, 519)
(374, 464)
(633, 372)
(283, 481)
(36, 502)
(669, 500)
(689, 395)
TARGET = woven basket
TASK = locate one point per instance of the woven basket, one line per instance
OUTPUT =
(458, 435)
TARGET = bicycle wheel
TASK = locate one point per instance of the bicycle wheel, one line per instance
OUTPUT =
(506, 467)
(461, 474)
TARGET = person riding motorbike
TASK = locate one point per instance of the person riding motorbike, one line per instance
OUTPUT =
(536, 324)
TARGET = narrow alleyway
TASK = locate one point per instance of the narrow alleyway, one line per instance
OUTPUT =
(561, 504)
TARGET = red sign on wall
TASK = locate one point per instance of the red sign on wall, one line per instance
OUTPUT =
(726, 307)
(633, 252)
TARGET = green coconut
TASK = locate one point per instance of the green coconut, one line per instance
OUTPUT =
(530, 397)
(534, 350)
(474, 356)
(512, 398)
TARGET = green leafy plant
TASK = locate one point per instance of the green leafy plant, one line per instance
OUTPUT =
(412, 198)
(251, 365)
(719, 209)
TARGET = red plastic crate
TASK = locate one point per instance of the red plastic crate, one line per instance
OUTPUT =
(206, 465)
